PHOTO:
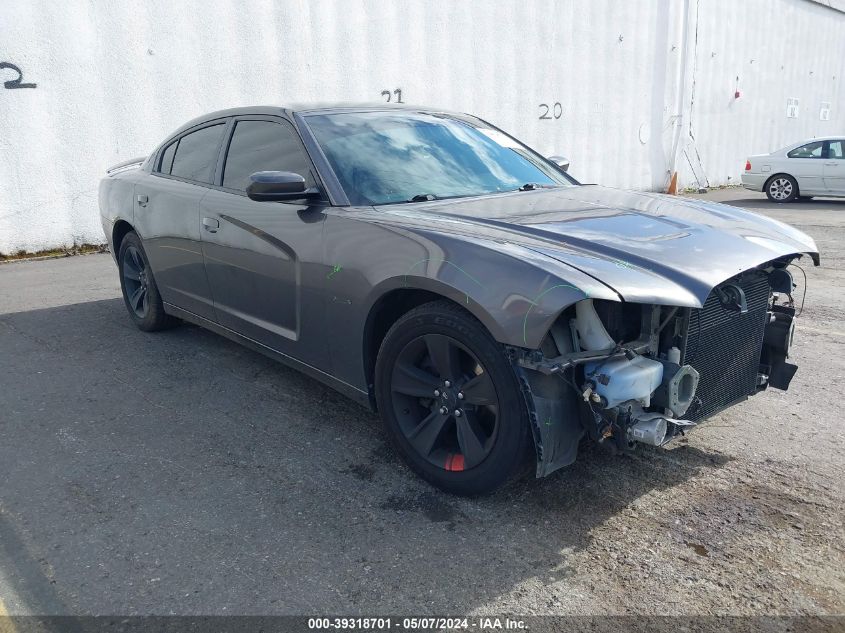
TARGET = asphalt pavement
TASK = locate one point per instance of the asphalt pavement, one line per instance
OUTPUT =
(178, 473)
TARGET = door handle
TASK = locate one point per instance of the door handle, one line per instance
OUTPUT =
(211, 225)
(142, 200)
(831, 164)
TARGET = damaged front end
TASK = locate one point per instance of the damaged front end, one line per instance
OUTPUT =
(624, 373)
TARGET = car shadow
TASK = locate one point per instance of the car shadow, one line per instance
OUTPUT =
(746, 200)
(179, 472)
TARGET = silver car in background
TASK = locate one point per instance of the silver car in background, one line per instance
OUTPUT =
(803, 170)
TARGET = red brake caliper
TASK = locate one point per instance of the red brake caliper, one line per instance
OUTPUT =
(454, 462)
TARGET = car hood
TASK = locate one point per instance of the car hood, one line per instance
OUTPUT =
(646, 247)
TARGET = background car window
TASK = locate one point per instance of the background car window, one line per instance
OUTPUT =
(167, 158)
(836, 149)
(810, 150)
(196, 154)
(264, 146)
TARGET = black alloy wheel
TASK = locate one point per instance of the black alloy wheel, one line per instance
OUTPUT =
(445, 402)
(140, 293)
(135, 281)
(450, 400)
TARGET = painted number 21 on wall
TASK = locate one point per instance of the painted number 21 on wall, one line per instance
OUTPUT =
(12, 84)
(397, 93)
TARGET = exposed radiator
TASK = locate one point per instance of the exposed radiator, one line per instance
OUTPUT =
(724, 346)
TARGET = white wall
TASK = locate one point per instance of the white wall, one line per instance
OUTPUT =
(778, 49)
(633, 79)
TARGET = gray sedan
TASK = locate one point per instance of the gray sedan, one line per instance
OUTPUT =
(801, 170)
(493, 310)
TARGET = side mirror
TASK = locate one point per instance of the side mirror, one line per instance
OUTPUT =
(273, 186)
(561, 162)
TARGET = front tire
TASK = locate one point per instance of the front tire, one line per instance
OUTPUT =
(450, 400)
(782, 188)
(140, 293)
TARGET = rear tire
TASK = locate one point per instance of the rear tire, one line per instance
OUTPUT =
(450, 400)
(140, 293)
(781, 188)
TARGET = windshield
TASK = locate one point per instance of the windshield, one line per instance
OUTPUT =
(389, 157)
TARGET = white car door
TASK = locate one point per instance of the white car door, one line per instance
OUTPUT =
(834, 168)
(806, 165)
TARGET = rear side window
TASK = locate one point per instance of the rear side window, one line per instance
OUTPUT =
(196, 154)
(264, 146)
(810, 150)
(167, 158)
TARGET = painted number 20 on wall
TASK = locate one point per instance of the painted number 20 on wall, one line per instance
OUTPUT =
(555, 111)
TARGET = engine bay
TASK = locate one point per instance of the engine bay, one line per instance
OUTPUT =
(645, 374)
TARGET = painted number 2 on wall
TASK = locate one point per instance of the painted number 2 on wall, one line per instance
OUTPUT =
(11, 84)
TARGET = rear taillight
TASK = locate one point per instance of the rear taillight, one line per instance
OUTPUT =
(748, 165)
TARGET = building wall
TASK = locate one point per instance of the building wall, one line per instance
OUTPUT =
(772, 50)
(642, 88)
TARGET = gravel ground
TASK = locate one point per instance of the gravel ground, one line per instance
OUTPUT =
(180, 473)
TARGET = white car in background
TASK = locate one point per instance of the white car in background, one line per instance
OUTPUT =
(811, 168)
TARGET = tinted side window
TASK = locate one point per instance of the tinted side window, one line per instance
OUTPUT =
(167, 158)
(264, 146)
(196, 154)
(810, 150)
(836, 149)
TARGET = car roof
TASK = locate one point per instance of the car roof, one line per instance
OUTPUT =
(817, 139)
(370, 106)
(821, 137)
(306, 109)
